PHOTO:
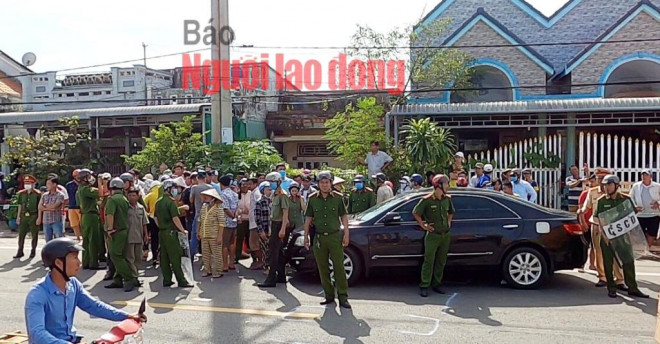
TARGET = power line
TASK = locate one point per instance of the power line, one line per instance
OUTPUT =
(349, 47)
(357, 94)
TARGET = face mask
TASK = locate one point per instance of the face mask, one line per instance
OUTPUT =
(514, 179)
(175, 192)
(28, 186)
(283, 173)
(273, 186)
(359, 186)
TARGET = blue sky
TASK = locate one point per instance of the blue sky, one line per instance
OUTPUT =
(75, 33)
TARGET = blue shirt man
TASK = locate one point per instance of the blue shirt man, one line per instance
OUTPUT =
(71, 188)
(484, 181)
(286, 181)
(51, 304)
(49, 312)
(524, 189)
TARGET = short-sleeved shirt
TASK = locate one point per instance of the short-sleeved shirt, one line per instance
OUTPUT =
(359, 201)
(88, 198)
(280, 202)
(117, 206)
(376, 161)
(592, 203)
(574, 192)
(49, 199)
(196, 195)
(295, 214)
(29, 202)
(166, 210)
(72, 189)
(326, 212)
(436, 211)
(137, 217)
(230, 201)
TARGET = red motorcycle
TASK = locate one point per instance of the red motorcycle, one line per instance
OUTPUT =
(128, 331)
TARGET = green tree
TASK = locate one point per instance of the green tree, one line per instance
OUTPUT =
(50, 150)
(168, 144)
(247, 156)
(427, 66)
(351, 131)
(429, 147)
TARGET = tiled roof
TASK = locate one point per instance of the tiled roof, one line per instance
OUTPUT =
(5, 89)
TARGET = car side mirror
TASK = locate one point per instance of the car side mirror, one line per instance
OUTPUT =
(391, 218)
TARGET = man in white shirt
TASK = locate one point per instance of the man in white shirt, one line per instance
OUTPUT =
(479, 168)
(645, 195)
(384, 191)
(377, 161)
(522, 188)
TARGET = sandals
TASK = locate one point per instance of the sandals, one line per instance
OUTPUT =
(206, 274)
(217, 276)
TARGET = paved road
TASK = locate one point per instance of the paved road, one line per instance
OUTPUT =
(386, 309)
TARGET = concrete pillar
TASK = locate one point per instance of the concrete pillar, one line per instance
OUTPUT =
(127, 141)
(570, 144)
(542, 122)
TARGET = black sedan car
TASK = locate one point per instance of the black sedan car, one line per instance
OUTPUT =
(525, 241)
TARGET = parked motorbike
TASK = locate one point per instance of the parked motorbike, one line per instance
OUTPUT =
(128, 331)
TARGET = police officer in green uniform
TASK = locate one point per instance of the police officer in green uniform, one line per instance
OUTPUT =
(325, 209)
(279, 232)
(434, 213)
(116, 218)
(612, 198)
(28, 209)
(361, 197)
(166, 215)
(90, 223)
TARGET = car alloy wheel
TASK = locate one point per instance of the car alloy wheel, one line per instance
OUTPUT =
(348, 267)
(525, 268)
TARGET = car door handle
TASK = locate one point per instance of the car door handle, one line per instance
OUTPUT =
(510, 226)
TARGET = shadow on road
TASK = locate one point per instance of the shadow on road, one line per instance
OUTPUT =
(343, 325)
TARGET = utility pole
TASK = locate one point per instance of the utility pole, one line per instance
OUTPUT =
(221, 114)
(144, 54)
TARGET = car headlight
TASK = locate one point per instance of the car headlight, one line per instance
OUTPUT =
(300, 241)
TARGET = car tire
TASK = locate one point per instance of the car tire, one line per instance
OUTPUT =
(525, 268)
(353, 266)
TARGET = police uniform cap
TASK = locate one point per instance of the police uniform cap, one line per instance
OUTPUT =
(29, 179)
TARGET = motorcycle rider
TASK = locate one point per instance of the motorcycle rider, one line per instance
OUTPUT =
(51, 303)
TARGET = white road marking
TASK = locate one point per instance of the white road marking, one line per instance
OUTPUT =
(433, 331)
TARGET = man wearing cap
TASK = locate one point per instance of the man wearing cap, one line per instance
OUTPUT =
(434, 214)
(28, 212)
(137, 222)
(506, 175)
(612, 198)
(88, 198)
(646, 195)
(486, 178)
(383, 192)
(74, 208)
(377, 161)
(197, 202)
(479, 169)
(325, 210)
(521, 187)
(457, 165)
(116, 213)
(361, 197)
(595, 193)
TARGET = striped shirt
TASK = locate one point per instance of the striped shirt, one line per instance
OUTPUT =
(574, 192)
(211, 218)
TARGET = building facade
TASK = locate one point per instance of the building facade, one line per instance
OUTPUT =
(546, 74)
(10, 83)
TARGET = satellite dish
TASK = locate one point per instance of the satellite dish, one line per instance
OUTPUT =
(29, 59)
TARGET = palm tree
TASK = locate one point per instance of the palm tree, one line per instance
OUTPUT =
(429, 146)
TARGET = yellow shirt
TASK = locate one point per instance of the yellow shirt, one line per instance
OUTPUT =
(211, 220)
(150, 200)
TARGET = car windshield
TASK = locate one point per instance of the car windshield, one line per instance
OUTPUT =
(378, 209)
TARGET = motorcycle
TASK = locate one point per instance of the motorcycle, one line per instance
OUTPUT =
(128, 331)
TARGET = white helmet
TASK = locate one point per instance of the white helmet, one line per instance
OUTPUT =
(488, 168)
(274, 177)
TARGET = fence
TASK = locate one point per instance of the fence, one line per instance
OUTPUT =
(625, 156)
(512, 155)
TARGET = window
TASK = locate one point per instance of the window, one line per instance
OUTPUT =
(107, 92)
(159, 100)
(479, 208)
(98, 93)
(83, 94)
(41, 89)
(313, 149)
(70, 94)
(406, 210)
(128, 83)
(188, 98)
